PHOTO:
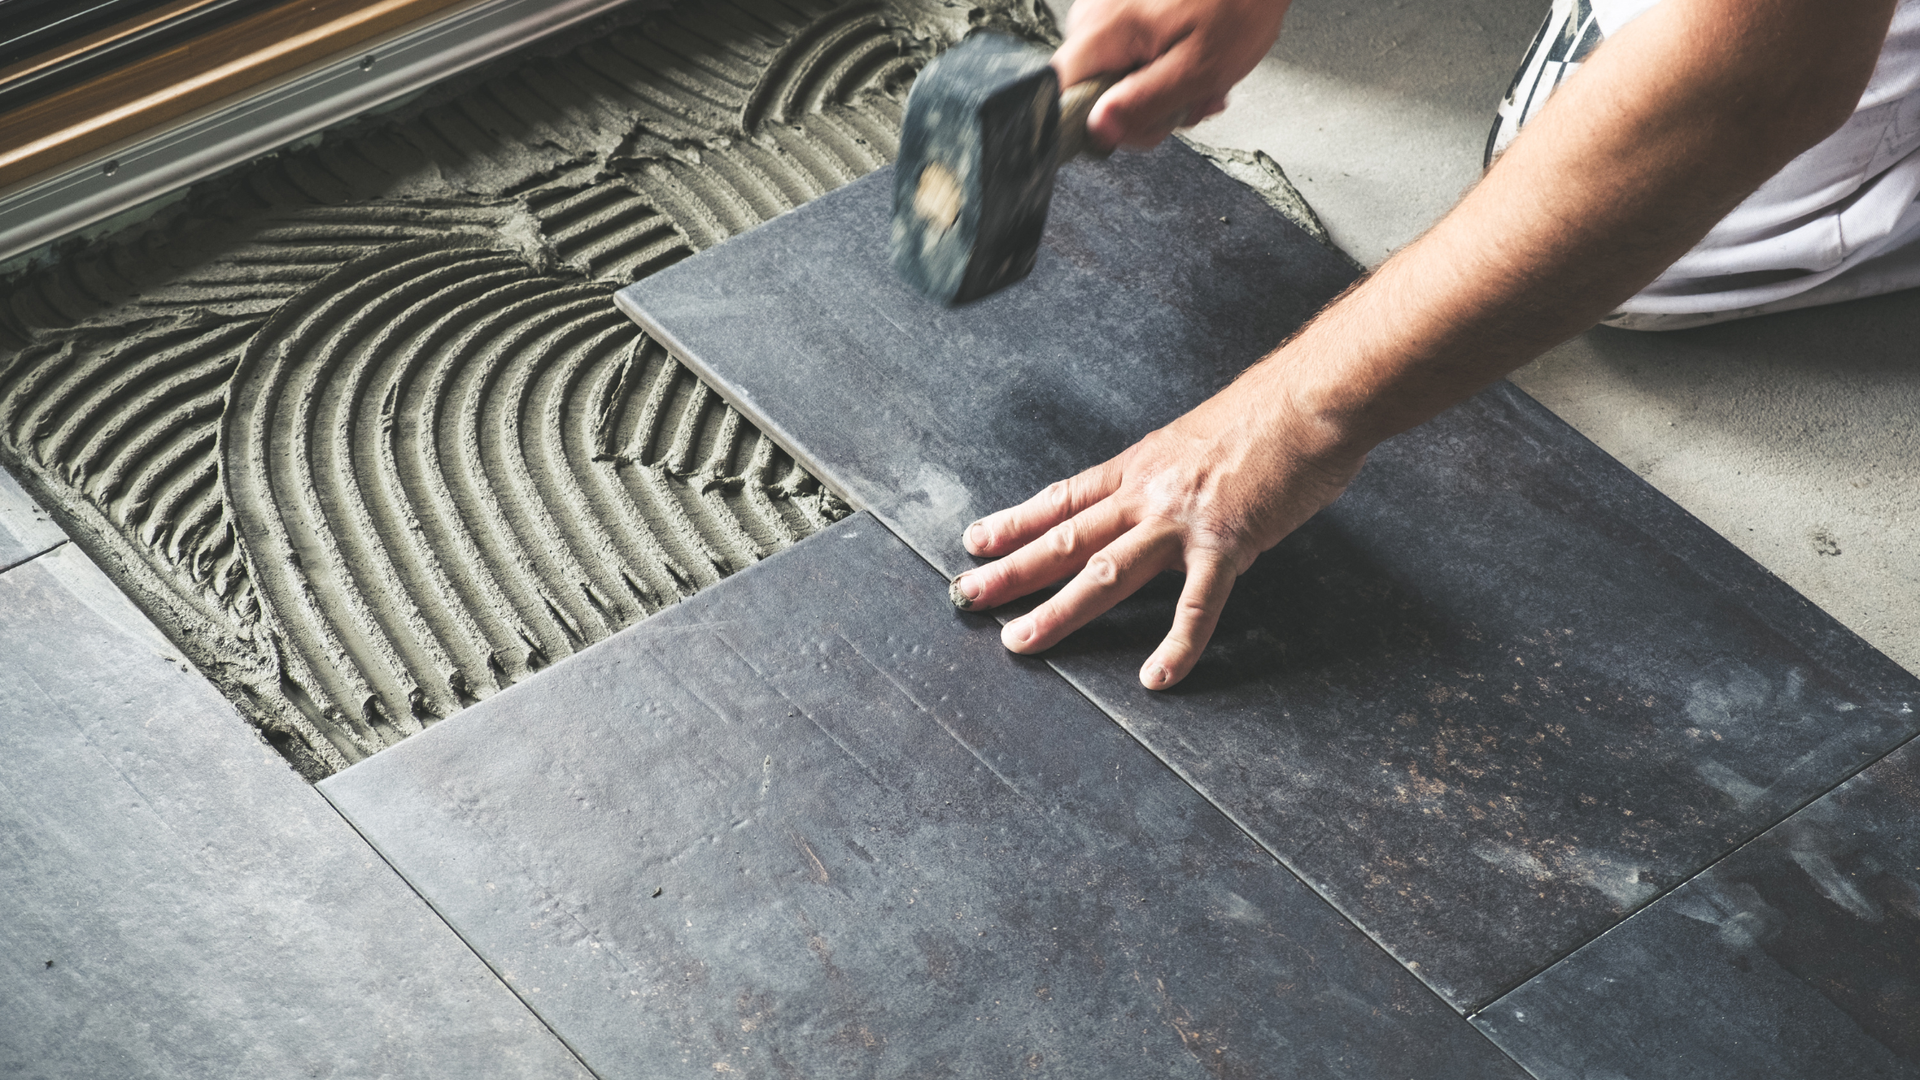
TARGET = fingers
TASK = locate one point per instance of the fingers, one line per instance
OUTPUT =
(1057, 553)
(1143, 108)
(1085, 55)
(997, 534)
(1117, 572)
(1201, 600)
(1112, 37)
(1114, 573)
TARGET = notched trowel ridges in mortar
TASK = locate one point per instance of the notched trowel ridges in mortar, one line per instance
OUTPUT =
(360, 426)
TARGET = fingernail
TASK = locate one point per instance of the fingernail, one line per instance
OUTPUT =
(1017, 632)
(1155, 676)
(977, 536)
(963, 592)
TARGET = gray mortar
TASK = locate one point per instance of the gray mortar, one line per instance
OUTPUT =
(1260, 172)
(358, 425)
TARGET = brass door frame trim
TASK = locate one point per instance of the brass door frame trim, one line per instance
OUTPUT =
(115, 47)
(115, 175)
(117, 32)
(218, 64)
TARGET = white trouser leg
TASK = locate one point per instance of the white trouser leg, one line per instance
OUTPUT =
(1840, 222)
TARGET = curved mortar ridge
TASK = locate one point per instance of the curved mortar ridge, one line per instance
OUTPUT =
(359, 426)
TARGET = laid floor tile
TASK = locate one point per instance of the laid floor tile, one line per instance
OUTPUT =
(814, 822)
(1498, 697)
(174, 902)
(1501, 695)
(1797, 956)
(25, 529)
(1160, 279)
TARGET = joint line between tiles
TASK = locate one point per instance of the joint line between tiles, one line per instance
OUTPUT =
(42, 553)
(1280, 860)
(462, 938)
(1736, 849)
(767, 424)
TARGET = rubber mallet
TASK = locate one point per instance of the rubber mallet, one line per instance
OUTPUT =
(986, 129)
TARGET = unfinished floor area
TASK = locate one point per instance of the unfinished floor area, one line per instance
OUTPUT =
(359, 424)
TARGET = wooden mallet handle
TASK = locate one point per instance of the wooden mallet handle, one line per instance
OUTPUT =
(1076, 103)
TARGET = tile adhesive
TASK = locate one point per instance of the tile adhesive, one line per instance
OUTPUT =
(359, 426)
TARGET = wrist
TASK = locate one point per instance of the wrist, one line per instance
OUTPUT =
(1328, 417)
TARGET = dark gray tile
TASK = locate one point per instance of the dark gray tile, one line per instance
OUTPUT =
(815, 822)
(1495, 699)
(1160, 279)
(1502, 694)
(25, 529)
(174, 902)
(1797, 956)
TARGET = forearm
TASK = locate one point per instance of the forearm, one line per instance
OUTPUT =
(1664, 130)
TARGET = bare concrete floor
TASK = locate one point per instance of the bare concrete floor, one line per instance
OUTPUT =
(1793, 435)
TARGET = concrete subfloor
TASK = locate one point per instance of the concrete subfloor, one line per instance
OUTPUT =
(1792, 435)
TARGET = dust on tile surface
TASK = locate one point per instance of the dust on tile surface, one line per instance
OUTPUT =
(1492, 700)
(1793, 957)
(359, 426)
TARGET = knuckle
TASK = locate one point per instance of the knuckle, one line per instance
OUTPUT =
(1063, 538)
(1059, 496)
(1103, 570)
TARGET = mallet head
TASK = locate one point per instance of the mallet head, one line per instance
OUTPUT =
(974, 178)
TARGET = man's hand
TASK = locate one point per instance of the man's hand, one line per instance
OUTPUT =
(1183, 56)
(1205, 494)
(1662, 131)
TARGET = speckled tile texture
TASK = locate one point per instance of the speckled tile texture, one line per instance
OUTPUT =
(1797, 956)
(814, 822)
(25, 528)
(1498, 697)
(175, 902)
